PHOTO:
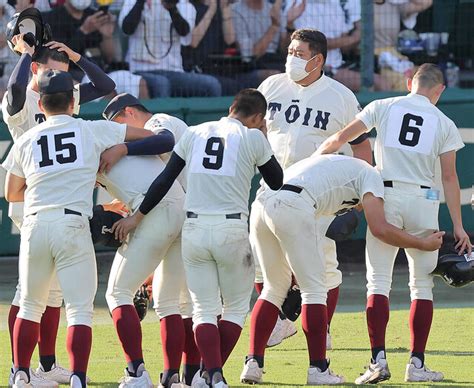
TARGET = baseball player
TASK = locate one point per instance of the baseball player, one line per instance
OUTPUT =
(52, 167)
(304, 108)
(286, 226)
(21, 112)
(221, 157)
(411, 135)
(156, 240)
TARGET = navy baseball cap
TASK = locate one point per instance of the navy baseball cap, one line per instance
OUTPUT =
(118, 103)
(55, 81)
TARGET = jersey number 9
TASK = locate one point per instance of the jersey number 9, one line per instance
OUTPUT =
(215, 152)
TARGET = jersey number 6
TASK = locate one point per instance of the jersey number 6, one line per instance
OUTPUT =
(59, 146)
(410, 135)
(215, 151)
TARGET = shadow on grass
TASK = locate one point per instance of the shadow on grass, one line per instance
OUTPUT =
(453, 353)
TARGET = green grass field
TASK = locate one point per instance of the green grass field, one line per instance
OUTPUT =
(450, 348)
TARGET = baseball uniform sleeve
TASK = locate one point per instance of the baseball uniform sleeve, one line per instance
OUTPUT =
(260, 147)
(182, 147)
(352, 107)
(368, 115)
(371, 182)
(106, 133)
(453, 140)
(12, 163)
(13, 120)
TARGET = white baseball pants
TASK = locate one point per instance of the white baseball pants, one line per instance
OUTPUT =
(55, 296)
(333, 274)
(143, 251)
(53, 241)
(407, 208)
(286, 237)
(217, 257)
(170, 290)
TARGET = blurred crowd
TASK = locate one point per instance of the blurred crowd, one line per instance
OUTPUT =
(182, 48)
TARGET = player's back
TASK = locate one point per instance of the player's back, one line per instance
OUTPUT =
(59, 160)
(221, 157)
(411, 134)
(335, 182)
(130, 178)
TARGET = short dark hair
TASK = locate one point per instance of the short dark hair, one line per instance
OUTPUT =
(248, 102)
(56, 102)
(317, 41)
(429, 75)
(43, 54)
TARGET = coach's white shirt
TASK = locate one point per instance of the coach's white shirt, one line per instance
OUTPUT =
(130, 178)
(411, 134)
(300, 118)
(335, 182)
(30, 115)
(221, 157)
(59, 159)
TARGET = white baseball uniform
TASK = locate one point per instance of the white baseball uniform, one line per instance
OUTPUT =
(411, 134)
(221, 158)
(299, 119)
(29, 116)
(290, 240)
(157, 238)
(59, 160)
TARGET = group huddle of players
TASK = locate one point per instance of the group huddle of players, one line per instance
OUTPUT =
(205, 261)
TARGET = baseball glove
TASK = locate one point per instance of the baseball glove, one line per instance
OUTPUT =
(140, 301)
(292, 305)
(103, 217)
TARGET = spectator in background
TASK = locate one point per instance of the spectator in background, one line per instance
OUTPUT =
(157, 29)
(340, 22)
(213, 48)
(388, 18)
(90, 32)
(260, 29)
(8, 59)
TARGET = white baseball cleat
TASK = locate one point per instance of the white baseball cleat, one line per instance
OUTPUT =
(328, 377)
(144, 381)
(218, 381)
(328, 341)
(414, 374)
(375, 373)
(20, 380)
(173, 382)
(200, 381)
(35, 380)
(283, 329)
(252, 373)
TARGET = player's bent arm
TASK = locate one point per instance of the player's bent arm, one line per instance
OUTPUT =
(272, 173)
(134, 133)
(15, 187)
(452, 193)
(345, 135)
(17, 84)
(160, 143)
(101, 84)
(362, 151)
(389, 234)
(154, 195)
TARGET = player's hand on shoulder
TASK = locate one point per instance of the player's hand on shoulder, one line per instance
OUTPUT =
(462, 241)
(432, 242)
(111, 156)
(123, 227)
(61, 47)
(21, 46)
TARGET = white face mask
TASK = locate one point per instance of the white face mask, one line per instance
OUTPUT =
(296, 68)
(80, 5)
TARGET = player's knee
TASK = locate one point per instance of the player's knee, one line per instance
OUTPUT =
(79, 314)
(16, 298)
(116, 298)
(276, 297)
(55, 298)
(333, 279)
(164, 310)
(314, 297)
(186, 309)
(31, 310)
(235, 317)
(422, 289)
(202, 317)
